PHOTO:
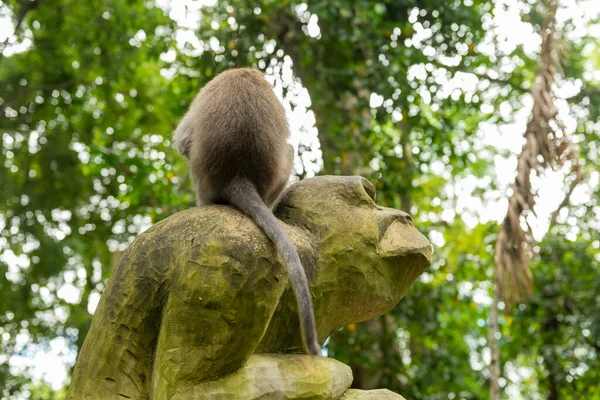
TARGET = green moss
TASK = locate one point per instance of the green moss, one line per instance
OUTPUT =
(198, 294)
(281, 376)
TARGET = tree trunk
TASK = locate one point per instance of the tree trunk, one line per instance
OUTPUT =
(493, 345)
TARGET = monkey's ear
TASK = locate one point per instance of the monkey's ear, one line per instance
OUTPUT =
(182, 136)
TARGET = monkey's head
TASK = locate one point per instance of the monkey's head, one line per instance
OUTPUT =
(366, 255)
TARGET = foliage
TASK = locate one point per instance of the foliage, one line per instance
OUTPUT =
(401, 92)
(558, 329)
(84, 164)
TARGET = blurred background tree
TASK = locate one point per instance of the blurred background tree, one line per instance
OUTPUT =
(428, 99)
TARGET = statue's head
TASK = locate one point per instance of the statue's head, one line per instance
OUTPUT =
(366, 255)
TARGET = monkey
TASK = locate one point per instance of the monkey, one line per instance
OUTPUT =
(234, 138)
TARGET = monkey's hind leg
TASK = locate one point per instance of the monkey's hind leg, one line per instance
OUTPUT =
(282, 178)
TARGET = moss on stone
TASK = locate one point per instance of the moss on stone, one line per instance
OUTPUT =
(276, 376)
(379, 394)
(200, 292)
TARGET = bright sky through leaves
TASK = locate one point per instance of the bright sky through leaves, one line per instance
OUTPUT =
(505, 31)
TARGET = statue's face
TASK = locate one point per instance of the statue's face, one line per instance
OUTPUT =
(367, 255)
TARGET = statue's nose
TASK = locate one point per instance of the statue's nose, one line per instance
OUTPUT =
(399, 237)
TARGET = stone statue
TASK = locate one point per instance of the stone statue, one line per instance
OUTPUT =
(200, 308)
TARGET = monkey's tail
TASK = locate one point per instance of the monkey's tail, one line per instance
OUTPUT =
(244, 196)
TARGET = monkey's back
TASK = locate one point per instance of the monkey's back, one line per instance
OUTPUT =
(238, 129)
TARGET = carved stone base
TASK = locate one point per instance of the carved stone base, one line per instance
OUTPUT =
(285, 376)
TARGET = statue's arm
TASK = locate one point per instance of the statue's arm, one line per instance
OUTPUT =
(116, 358)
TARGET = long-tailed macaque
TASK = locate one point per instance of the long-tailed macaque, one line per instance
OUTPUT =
(234, 139)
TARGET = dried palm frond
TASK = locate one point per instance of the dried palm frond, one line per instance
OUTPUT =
(546, 145)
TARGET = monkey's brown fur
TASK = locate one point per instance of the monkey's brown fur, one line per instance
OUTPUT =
(234, 138)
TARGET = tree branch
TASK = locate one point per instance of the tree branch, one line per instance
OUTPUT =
(43, 87)
(25, 9)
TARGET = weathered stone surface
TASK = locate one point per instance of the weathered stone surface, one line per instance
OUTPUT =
(276, 376)
(367, 257)
(200, 292)
(379, 394)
